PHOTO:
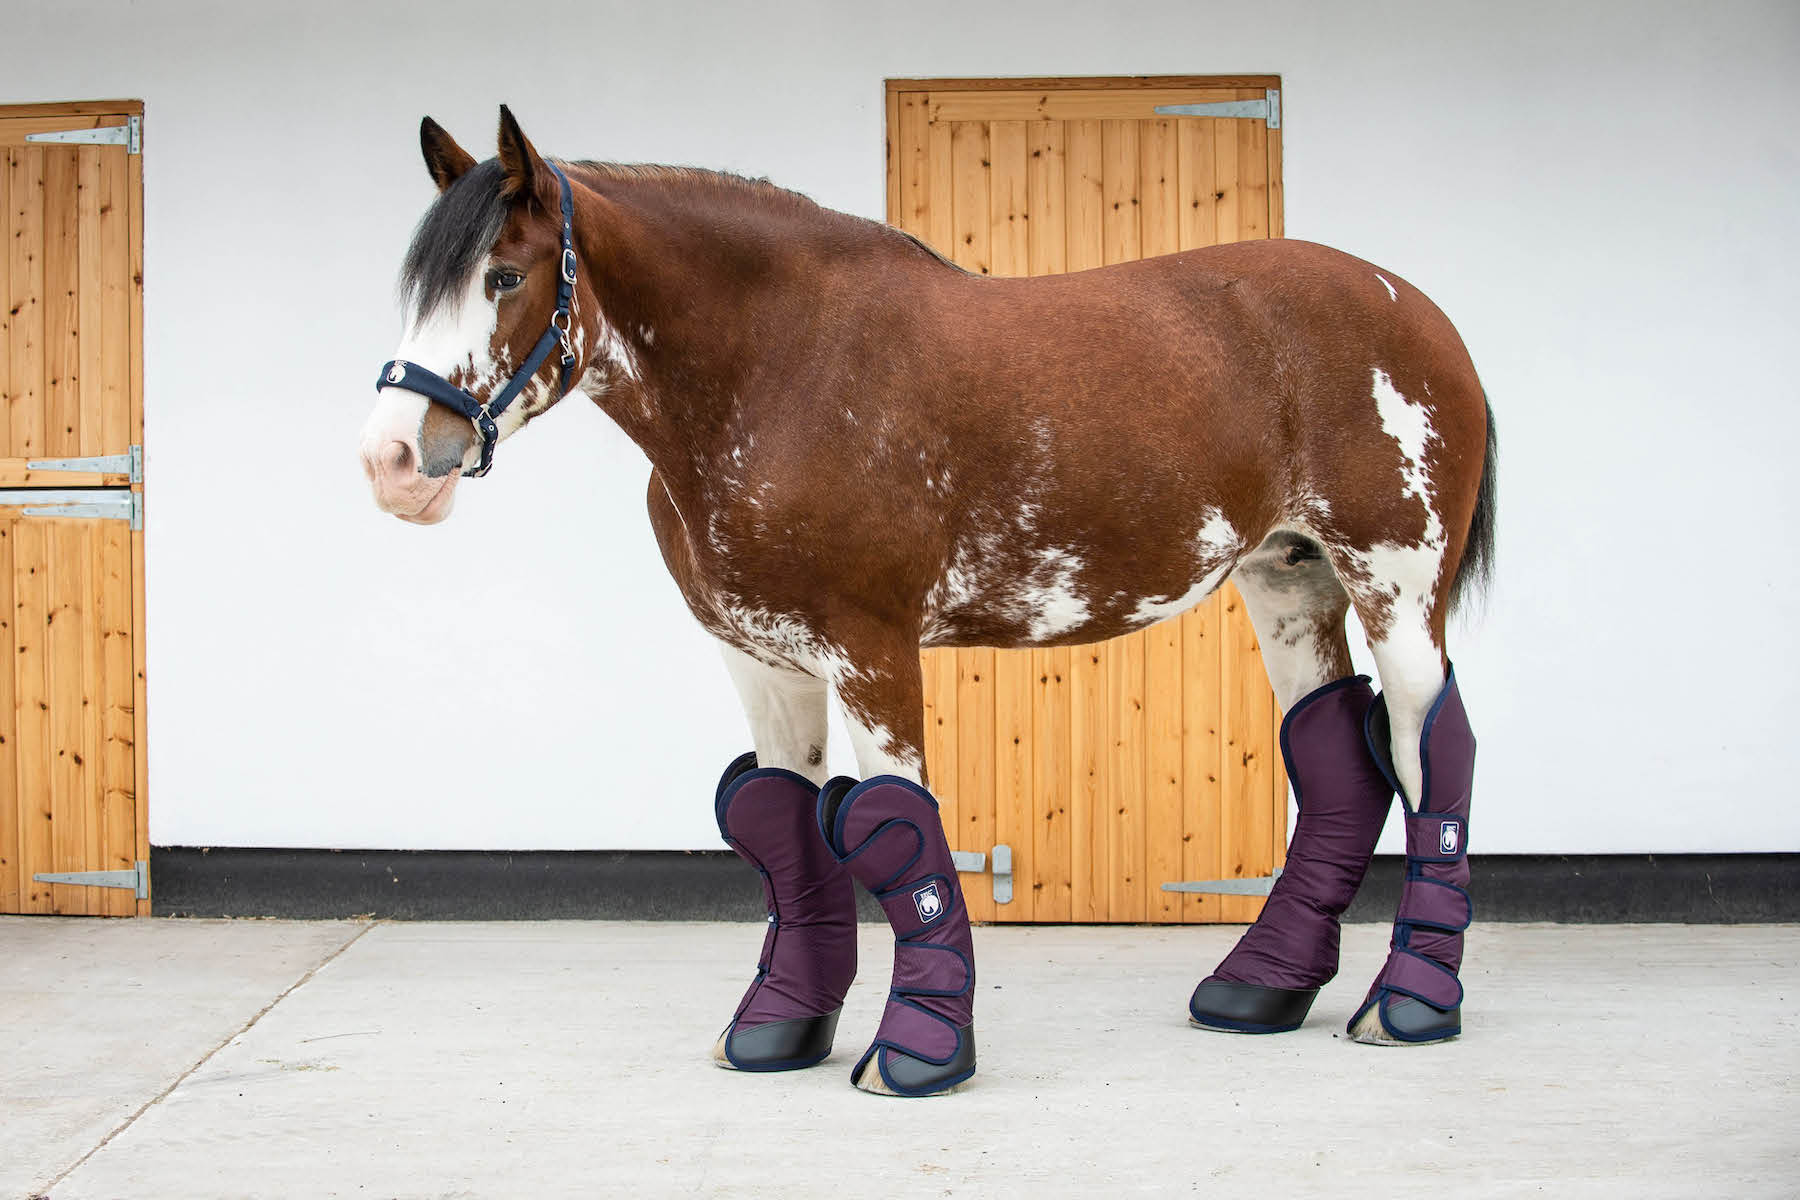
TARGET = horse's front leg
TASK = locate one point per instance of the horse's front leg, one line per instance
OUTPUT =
(766, 804)
(887, 831)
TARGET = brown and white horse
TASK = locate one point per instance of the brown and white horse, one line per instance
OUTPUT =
(860, 449)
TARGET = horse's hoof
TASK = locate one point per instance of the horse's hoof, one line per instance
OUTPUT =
(1249, 1007)
(1404, 1021)
(885, 1071)
(778, 1045)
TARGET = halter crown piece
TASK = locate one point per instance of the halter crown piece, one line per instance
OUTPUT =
(435, 388)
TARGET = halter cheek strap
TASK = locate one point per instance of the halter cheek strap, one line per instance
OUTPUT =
(435, 388)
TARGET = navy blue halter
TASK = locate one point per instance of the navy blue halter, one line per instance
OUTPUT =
(435, 388)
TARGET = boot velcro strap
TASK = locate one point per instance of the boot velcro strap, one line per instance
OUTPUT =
(1436, 837)
(930, 969)
(1434, 904)
(1414, 975)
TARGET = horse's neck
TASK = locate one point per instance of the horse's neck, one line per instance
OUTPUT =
(701, 280)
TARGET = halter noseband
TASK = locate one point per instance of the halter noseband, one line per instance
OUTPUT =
(435, 388)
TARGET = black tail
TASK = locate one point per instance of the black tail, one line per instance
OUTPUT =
(1477, 567)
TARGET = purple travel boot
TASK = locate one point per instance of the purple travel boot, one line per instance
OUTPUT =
(1267, 984)
(789, 1016)
(1417, 995)
(887, 832)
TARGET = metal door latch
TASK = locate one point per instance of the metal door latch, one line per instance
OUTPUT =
(974, 861)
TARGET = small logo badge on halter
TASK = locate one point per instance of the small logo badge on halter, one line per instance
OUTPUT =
(928, 902)
(1449, 834)
(397, 372)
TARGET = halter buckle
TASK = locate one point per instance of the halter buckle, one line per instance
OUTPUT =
(568, 266)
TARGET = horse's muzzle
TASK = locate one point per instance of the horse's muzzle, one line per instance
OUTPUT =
(401, 488)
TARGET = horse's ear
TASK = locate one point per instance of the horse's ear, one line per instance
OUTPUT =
(526, 174)
(443, 157)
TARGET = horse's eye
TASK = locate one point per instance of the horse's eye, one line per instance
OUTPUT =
(506, 281)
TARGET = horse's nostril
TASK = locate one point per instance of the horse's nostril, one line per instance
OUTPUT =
(397, 457)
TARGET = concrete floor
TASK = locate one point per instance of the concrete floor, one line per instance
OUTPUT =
(260, 1058)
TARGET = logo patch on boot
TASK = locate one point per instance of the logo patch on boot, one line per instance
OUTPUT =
(1449, 834)
(928, 902)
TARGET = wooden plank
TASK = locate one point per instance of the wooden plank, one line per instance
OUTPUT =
(71, 799)
(1071, 105)
(940, 729)
(1081, 83)
(89, 273)
(1164, 767)
(1226, 178)
(62, 304)
(940, 179)
(1277, 221)
(26, 338)
(1089, 790)
(114, 280)
(911, 212)
(1046, 201)
(1009, 207)
(11, 851)
(969, 197)
(112, 626)
(891, 138)
(1126, 755)
(1015, 783)
(1050, 735)
(1197, 190)
(1083, 177)
(1253, 180)
(6, 303)
(1202, 749)
(1159, 180)
(973, 826)
(1245, 817)
(1121, 239)
(31, 606)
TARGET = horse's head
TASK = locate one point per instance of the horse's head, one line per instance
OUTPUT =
(481, 288)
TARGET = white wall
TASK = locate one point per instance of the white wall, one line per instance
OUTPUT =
(1601, 195)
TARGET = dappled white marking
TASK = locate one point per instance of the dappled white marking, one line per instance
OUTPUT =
(876, 751)
(1049, 597)
(1392, 294)
(1216, 547)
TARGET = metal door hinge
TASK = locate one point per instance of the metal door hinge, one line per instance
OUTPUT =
(128, 135)
(138, 880)
(104, 504)
(1266, 110)
(973, 862)
(129, 463)
(1249, 885)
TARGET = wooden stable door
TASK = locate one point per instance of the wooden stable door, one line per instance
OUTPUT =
(1110, 769)
(71, 546)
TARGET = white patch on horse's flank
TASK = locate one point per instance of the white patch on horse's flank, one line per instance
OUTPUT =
(646, 335)
(1392, 294)
(1410, 426)
(1051, 603)
(1216, 547)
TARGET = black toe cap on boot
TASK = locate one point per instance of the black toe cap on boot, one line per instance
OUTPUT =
(1249, 1007)
(1413, 1020)
(909, 1076)
(783, 1045)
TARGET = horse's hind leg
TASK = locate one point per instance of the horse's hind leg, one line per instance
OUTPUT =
(1419, 735)
(1268, 982)
(765, 807)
